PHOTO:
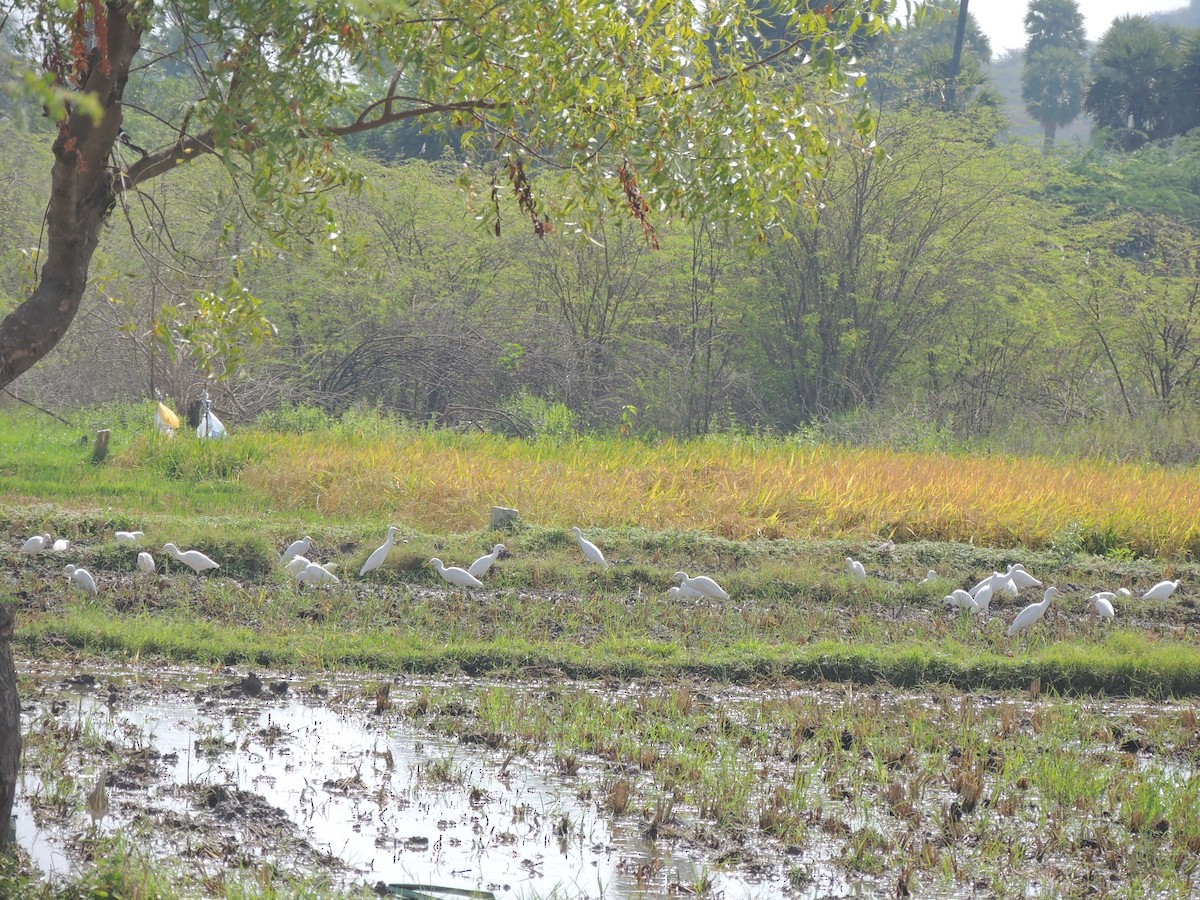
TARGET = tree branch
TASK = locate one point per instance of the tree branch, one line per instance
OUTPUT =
(362, 123)
(162, 161)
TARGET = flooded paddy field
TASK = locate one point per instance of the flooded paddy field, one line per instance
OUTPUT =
(544, 787)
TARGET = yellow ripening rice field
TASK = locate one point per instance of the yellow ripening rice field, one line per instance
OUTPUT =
(734, 487)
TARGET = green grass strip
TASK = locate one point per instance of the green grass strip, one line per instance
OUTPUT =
(1124, 663)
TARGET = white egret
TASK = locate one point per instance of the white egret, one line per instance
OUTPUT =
(316, 574)
(60, 545)
(590, 551)
(999, 582)
(975, 590)
(128, 537)
(702, 585)
(81, 578)
(455, 576)
(683, 590)
(1032, 613)
(480, 566)
(1161, 591)
(931, 575)
(145, 563)
(193, 559)
(1021, 578)
(1124, 591)
(375, 560)
(296, 548)
(960, 599)
(1102, 605)
(36, 544)
(857, 572)
(983, 596)
(296, 565)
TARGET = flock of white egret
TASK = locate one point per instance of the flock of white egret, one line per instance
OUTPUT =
(978, 599)
(308, 572)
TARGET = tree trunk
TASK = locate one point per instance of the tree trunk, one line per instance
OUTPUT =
(10, 723)
(956, 59)
(82, 193)
(1049, 130)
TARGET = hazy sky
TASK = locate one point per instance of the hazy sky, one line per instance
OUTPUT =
(1003, 21)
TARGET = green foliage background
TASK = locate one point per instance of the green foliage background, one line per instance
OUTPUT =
(956, 285)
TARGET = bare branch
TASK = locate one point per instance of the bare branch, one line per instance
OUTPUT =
(363, 123)
(162, 161)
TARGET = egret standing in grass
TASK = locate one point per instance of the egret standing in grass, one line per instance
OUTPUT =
(1102, 604)
(857, 572)
(36, 544)
(60, 545)
(983, 598)
(931, 575)
(145, 563)
(375, 560)
(590, 551)
(455, 576)
(81, 578)
(1020, 578)
(682, 590)
(296, 565)
(997, 582)
(316, 574)
(1032, 613)
(193, 559)
(1161, 591)
(128, 537)
(296, 548)
(702, 585)
(480, 566)
(960, 599)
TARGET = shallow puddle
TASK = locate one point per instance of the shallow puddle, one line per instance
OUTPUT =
(305, 782)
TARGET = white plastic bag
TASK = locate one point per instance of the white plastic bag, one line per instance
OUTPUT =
(210, 426)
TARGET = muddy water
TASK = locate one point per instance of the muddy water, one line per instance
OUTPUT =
(310, 782)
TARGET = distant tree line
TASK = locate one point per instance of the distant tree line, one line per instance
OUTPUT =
(952, 281)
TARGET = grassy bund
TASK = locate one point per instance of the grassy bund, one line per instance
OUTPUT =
(942, 793)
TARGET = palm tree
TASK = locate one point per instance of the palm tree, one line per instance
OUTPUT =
(935, 82)
(1128, 94)
(1052, 81)
(919, 64)
(1052, 84)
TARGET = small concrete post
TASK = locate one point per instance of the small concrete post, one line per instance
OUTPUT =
(100, 450)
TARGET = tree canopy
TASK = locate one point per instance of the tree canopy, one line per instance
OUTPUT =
(660, 108)
(1145, 83)
(1054, 23)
